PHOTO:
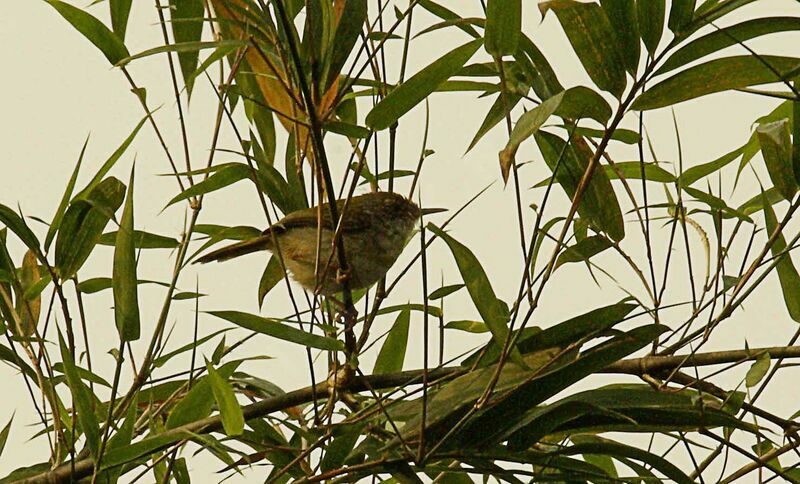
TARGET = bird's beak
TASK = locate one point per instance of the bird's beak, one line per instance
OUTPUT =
(428, 211)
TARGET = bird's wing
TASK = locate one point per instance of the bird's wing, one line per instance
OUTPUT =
(354, 217)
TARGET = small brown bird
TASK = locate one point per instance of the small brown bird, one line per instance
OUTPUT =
(375, 229)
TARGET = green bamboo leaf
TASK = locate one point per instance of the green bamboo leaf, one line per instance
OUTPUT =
(229, 409)
(120, 11)
(680, 14)
(583, 250)
(650, 15)
(83, 225)
(657, 462)
(97, 284)
(698, 172)
(622, 16)
(787, 274)
(198, 402)
(726, 37)
(795, 134)
(187, 26)
(98, 34)
(503, 24)
(583, 103)
(340, 447)
(219, 53)
(273, 274)
(141, 240)
(497, 112)
(163, 359)
(351, 23)
(543, 78)
(592, 37)
(83, 374)
(4, 434)
(126, 295)
(17, 224)
(120, 439)
(184, 48)
(418, 87)
(62, 206)
(776, 146)
(632, 170)
(758, 370)
(446, 14)
(468, 326)
(276, 329)
(82, 400)
(110, 162)
(29, 302)
(599, 204)
(393, 352)
(714, 76)
(347, 129)
(493, 312)
(220, 179)
(444, 291)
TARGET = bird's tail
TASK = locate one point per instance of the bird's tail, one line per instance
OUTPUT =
(237, 249)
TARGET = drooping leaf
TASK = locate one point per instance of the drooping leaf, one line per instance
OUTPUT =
(272, 275)
(98, 34)
(4, 434)
(220, 179)
(16, 224)
(599, 203)
(622, 16)
(776, 146)
(393, 352)
(141, 240)
(418, 87)
(497, 112)
(592, 37)
(187, 26)
(198, 402)
(719, 39)
(278, 330)
(714, 76)
(680, 14)
(787, 273)
(446, 14)
(493, 312)
(125, 288)
(229, 409)
(83, 225)
(650, 15)
(583, 250)
(503, 24)
(694, 173)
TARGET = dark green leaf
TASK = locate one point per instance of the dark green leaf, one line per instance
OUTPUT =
(393, 352)
(82, 400)
(197, 402)
(599, 204)
(491, 309)
(347, 129)
(276, 329)
(120, 10)
(141, 240)
(594, 40)
(229, 409)
(719, 39)
(16, 224)
(714, 76)
(83, 225)
(650, 14)
(612, 448)
(581, 102)
(339, 448)
(444, 291)
(698, 172)
(161, 360)
(126, 294)
(583, 250)
(4, 434)
(273, 274)
(776, 146)
(351, 23)
(83, 374)
(187, 26)
(468, 326)
(446, 14)
(418, 87)
(98, 34)
(503, 24)
(622, 16)
(680, 14)
(97, 284)
(220, 179)
(787, 274)
(497, 112)
(632, 170)
(183, 48)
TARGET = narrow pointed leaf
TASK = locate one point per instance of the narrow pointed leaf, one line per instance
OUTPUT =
(758, 370)
(418, 87)
(229, 409)
(98, 34)
(125, 287)
(279, 330)
(714, 76)
(776, 146)
(141, 240)
(62, 206)
(16, 224)
(120, 11)
(220, 179)
(351, 23)
(680, 14)
(622, 16)
(503, 24)
(81, 400)
(583, 250)
(650, 14)
(187, 26)
(272, 275)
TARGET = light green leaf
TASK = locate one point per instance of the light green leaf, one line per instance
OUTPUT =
(82, 400)
(444, 291)
(62, 206)
(273, 274)
(393, 352)
(787, 274)
(758, 370)
(776, 146)
(220, 179)
(583, 250)
(141, 240)
(229, 409)
(418, 87)
(714, 76)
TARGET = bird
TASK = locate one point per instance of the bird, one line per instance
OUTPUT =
(375, 228)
